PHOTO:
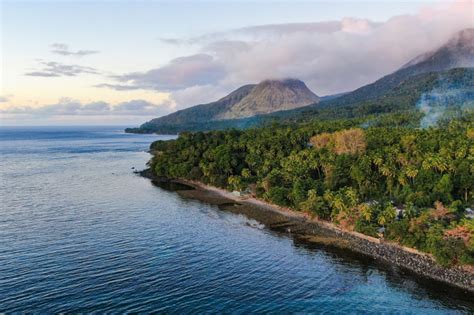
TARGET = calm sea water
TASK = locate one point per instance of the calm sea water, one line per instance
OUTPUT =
(79, 232)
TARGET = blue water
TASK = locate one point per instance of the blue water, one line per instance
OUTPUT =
(79, 232)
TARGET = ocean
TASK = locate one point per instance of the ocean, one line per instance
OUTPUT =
(81, 232)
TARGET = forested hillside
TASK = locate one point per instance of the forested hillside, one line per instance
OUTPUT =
(393, 159)
(369, 174)
(448, 67)
(457, 83)
(247, 101)
(458, 52)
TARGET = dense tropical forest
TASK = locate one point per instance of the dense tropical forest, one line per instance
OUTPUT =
(380, 175)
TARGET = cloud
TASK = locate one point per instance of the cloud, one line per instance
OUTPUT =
(63, 49)
(263, 31)
(56, 69)
(60, 46)
(199, 95)
(334, 59)
(174, 41)
(70, 107)
(179, 73)
(117, 87)
(326, 27)
(331, 57)
(4, 98)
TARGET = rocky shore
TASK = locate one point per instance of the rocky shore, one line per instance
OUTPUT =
(313, 231)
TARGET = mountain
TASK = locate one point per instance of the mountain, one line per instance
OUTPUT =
(397, 91)
(450, 88)
(205, 112)
(455, 84)
(271, 96)
(458, 52)
(249, 100)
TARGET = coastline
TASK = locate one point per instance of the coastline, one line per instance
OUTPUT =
(319, 232)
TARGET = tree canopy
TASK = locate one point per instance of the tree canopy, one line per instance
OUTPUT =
(353, 172)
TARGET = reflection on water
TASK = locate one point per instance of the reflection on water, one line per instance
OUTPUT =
(171, 186)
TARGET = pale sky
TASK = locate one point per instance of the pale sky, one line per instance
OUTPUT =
(125, 62)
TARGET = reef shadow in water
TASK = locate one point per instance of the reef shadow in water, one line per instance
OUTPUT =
(171, 185)
(163, 182)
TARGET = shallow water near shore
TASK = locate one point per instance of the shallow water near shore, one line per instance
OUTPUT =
(80, 232)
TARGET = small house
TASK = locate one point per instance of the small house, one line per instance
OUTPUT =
(399, 213)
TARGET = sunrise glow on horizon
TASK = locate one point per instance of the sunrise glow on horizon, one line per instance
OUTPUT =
(117, 62)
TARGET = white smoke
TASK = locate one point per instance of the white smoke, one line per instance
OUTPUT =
(442, 102)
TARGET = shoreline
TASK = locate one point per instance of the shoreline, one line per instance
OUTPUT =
(319, 232)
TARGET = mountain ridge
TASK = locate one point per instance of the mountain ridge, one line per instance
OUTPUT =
(458, 52)
(246, 101)
(270, 96)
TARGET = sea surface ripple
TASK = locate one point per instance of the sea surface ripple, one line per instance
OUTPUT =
(80, 232)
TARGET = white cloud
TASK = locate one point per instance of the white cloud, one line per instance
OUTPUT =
(331, 57)
(57, 69)
(69, 107)
(63, 49)
(4, 98)
(199, 94)
(180, 73)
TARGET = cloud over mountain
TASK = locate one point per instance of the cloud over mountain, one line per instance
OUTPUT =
(331, 57)
(180, 73)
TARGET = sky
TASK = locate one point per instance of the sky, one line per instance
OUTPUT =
(125, 62)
